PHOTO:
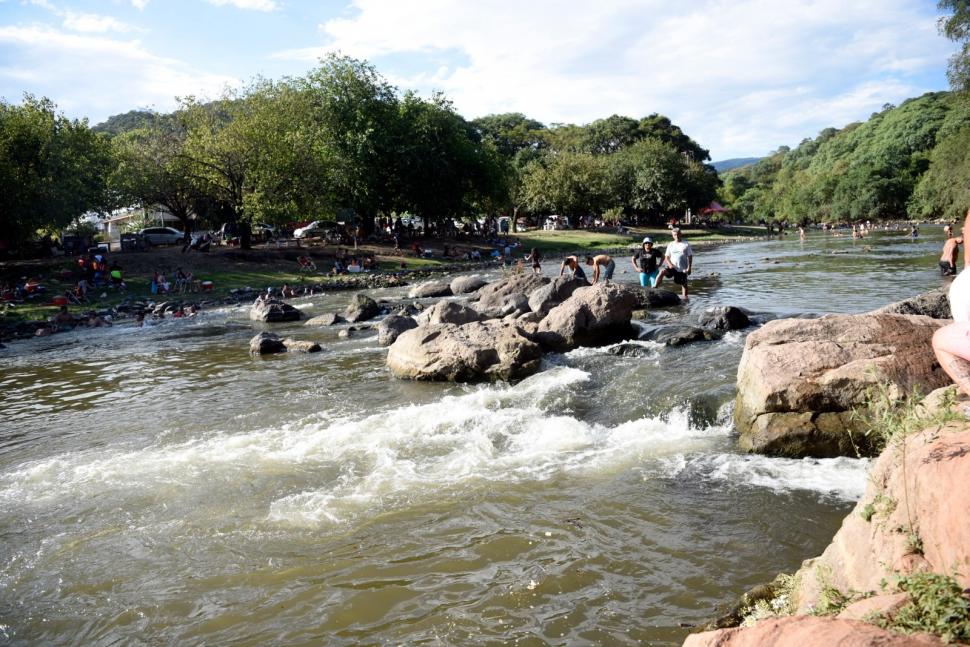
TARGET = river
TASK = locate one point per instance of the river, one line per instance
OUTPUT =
(160, 486)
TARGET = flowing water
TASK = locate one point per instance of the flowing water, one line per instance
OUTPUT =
(160, 486)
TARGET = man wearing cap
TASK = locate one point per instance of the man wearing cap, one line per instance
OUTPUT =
(678, 262)
(646, 261)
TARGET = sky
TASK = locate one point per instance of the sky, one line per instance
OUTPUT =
(742, 77)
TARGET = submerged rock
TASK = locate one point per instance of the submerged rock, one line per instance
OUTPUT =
(724, 318)
(266, 343)
(678, 335)
(274, 311)
(592, 316)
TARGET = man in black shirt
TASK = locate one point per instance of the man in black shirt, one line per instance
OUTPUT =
(646, 261)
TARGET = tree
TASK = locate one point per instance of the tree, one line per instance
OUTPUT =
(605, 136)
(511, 132)
(570, 184)
(956, 27)
(657, 126)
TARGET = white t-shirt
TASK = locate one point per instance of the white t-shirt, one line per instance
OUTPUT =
(680, 255)
(960, 297)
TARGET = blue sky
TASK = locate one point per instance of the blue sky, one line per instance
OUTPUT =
(742, 77)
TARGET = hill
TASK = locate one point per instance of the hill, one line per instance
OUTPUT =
(117, 124)
(733, 163)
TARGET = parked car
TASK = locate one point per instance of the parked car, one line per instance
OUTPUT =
(314, 229)
(161, 235)
(263, 232)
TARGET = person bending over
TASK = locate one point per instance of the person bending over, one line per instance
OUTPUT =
(602, 264)
(573, 264)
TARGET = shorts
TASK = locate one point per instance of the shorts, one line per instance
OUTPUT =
(649, 279)
(680, 278)
(947, 269)
(608, 270)
(579, 273)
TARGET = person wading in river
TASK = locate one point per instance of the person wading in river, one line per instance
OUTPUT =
(948, 260)
(573, 264)
(646, 261)
(678, 263)
(602, 264)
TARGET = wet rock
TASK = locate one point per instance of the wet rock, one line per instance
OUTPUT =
(934, 303)
(548, 296)
(724, 318)
(799, 380)
(326, 319)
(430, 289)
(473, 352)
(274, 311)
(630, 350)
(496, 297)
(391, 326)
(451, 312)
(801, 631)
(302, 346)
(592, 316)
(266, 343)
(678, 335)
(361, 308)
(346, 333)
(467, 284)
(655, 298)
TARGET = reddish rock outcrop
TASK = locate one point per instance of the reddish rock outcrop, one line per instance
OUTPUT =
(803, 631)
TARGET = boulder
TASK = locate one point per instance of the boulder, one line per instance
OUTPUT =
(452, 312)
(548, 296)
(328, 319)
(656, 298)
(913, 516)
(473, 352)
(361, 308)
(391, 326)
(678, 335)
(801, 631)
(631, 350)
(430, 289)
(467, 284)
(274, 311)
(724, 318)
(799, 380)
(266, 343)
(494, 298)
(935, 304)
(302, 346)
(592, 316)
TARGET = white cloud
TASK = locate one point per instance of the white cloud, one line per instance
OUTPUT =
(93, 23)
(139, 4)
(86, 74)
(254, 5)
(742, 77)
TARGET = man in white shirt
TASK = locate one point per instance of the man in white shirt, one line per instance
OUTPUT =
(678, 263)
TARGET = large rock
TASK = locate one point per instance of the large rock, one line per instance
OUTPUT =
(466, 284)
(327, 319)
(302, 346)
(474, 352)
(361, 308)
(430, 289)
(806, 631)
(724, 318)
(451, 312)
(592, 316)
(656, 298)
(799, 380)
(934, 303)
(496, 297)
(913, 516)
(679, 334)
(391, 327)
(548, 296)
(273, 311)
(266, 343)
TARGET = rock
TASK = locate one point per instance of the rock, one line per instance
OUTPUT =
(799, 380)
(430, 289)
(467, 284)
(328, 319)
(934, 303)
(406, 310)
(266, 343)
(548, 296)
(631, 350)
(656, 298)
(494, 298)
(346, 333)
(361, 308)
(273, 311)
(802, 631)
(391, 326)
(885, 606)
(302, 346)
(724, 318)
(916, 499)
(473, 352)
(529, 317)
(592, 316)
(680, 334)
(452, 312)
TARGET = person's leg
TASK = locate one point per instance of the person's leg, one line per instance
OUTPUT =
(644, 278)
(660, 277)
(951, 344)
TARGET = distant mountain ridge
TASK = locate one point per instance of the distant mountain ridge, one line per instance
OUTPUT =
(734, 162)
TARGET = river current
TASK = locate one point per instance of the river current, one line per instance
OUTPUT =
(160, 486)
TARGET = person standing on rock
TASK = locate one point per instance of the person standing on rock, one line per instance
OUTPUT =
(572, 263)
(646, 261)
(602, 264)
(951, 343)
(948, 260)
(678, 262)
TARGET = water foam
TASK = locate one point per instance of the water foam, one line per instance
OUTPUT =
(341, 468)
(584, 351)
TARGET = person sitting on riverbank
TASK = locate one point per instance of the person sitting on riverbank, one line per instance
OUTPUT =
(646, 261)
(951, 343)
(117, 278)
(572, 262)
(603, 264)
(948, 260)
(678, 263)
(306, 264)
(159, 284)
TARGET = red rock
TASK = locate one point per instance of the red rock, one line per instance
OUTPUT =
(880, 605)
(806, 631)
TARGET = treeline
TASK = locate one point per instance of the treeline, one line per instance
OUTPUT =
(339, 141)
(906, 161)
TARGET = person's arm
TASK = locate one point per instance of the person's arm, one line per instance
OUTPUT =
(633, 260)
(562, 268)
(690, 259)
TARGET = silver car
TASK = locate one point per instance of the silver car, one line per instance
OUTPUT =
(161, 235)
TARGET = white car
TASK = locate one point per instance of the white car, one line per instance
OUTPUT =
(315, 228)
(161, 235)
